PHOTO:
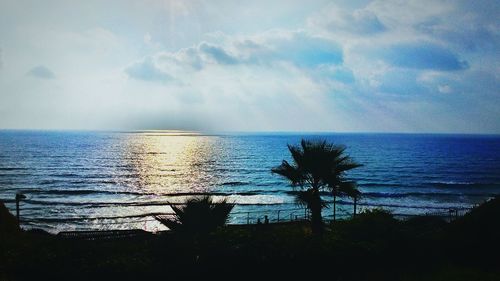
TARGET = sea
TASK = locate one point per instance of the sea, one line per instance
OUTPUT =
(81, 180)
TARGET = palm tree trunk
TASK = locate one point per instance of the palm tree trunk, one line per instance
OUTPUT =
(316, 218)
(316, 221)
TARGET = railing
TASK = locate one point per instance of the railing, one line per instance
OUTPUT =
(247, 217)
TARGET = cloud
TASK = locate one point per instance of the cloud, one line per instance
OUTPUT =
(267, 49)
(445, 89)
(358, 22)
(471, 33)
(41, 72)
(216, 53)
(357, 66)
(146, 70)
(424, 56)
(464, 25)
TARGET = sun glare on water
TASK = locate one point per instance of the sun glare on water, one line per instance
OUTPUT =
(168, 162)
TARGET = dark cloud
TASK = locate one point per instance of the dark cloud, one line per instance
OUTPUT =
(424, 56)
(146, 70)
(41, 72)
(218, 54)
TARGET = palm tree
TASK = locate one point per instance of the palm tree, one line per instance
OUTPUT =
(350, 189)
(317, 165)
(198, 216)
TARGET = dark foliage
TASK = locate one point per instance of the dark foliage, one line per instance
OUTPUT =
(8, 223)
(198, 216)
(374, 246)
(476, 235)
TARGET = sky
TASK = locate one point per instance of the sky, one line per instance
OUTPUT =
(329, 66)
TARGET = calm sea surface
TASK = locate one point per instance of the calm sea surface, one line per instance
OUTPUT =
(99, 180)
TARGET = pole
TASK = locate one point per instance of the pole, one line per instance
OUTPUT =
(248, 218)
(279, 215)
(17, 211)
(355, 202)
(334, 206)
(19, 196)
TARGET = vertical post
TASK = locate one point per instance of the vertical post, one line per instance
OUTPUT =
(355, 202)
(334, 206)
(248, 218)
(17, 211)
(19, 196)
(291, 216)
(279, 215)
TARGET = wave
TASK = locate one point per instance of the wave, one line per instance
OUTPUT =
(12, 169)
(371, 184)
(461, 184)
(235, 183)
(78, 192)
(71, 192)
(14, 175)
(56, 181)
(86, 219)
(423, 207)
(47, 182)
(65, 175)
(92, 191)
(432, 194)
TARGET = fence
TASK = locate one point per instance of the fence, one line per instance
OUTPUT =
(242, 217)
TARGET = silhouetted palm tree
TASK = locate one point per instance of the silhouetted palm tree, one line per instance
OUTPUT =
(197, 216)
(350, 189)
(317, 165)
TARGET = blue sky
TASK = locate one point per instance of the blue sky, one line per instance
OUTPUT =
(344, 66)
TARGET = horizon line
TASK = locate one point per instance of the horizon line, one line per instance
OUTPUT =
(242, 132)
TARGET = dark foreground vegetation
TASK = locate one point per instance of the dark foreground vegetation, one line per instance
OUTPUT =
(373, 246)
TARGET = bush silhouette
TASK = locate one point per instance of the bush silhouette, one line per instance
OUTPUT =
(197, 216)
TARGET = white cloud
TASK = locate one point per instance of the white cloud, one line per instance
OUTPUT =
(445, 89)
(359, 22)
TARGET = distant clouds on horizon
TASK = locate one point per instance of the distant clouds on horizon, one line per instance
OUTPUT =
(386, 66)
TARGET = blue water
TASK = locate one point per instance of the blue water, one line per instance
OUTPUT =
(103, 180)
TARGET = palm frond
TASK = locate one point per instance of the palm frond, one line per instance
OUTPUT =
(309, 199)
(198, 215)
(292, 173)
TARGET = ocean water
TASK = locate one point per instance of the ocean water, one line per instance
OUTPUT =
(115, 180)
